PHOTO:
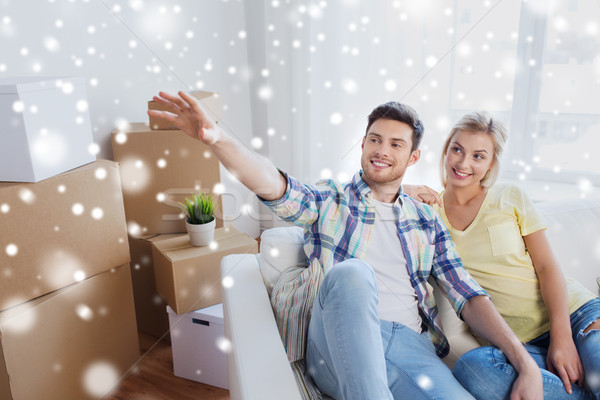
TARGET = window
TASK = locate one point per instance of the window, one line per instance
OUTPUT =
(557, 96)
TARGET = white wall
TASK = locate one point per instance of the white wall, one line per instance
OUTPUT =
(128, 51)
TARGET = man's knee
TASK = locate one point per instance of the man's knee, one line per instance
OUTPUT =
(352, 277)
(353, 272)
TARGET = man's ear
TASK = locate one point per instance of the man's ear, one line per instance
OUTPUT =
(414, 157)
(362, 145)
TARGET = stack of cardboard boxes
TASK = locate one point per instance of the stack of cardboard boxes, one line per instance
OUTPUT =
(160, 166)
(67, 323)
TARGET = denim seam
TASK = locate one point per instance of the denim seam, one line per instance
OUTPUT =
(394, 331)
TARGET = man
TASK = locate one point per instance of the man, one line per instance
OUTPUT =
(374, 331)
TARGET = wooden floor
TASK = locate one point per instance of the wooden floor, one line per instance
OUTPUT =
(153, 378)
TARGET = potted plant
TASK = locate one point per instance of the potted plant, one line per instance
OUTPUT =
(200, 221)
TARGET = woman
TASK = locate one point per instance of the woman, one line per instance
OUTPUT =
(501, 240)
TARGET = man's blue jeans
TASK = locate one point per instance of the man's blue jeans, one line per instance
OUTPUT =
(351, 354)
(486, 373)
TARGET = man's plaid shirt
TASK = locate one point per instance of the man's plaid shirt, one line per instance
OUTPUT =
(338, 221)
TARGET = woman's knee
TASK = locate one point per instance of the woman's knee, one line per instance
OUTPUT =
(476, 362)
(482, 372)
(593, 326)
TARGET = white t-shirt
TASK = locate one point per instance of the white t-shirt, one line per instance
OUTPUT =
(397, 297)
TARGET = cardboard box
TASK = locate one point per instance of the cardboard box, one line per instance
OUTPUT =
(158, 170)
(149, 306)
(75, 343)
(211, 102)
(189, 277)
(44, 127)
(198, 344)
(59, 231)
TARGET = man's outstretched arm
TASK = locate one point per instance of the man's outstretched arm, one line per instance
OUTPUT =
(256, 172)
(486, 321)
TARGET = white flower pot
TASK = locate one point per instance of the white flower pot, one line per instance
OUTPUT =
(202, 234)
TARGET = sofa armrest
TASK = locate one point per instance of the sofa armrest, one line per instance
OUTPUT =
(257, 365)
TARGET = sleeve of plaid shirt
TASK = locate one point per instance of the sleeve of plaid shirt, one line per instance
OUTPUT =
(452, 278)
(301, 203)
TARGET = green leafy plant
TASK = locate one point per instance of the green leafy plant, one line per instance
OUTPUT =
(199, 208)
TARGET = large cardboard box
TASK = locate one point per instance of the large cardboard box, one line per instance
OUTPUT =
(199, 345)
(149, 306)
(211, 103)
(189, 277)
(75, 343)
(44, 127)
(159, 168)
(60, 231)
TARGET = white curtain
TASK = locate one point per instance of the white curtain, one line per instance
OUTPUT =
(319, 68)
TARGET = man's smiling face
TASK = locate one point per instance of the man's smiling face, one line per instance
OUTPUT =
(386, 152)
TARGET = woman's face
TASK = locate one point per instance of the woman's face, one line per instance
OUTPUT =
(469, 157)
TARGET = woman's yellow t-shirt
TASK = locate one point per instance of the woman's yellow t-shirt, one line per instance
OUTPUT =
(493, 251)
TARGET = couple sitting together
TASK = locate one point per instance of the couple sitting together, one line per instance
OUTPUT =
(363, 316)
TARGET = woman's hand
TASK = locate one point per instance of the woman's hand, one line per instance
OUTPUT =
(423, 193)
(186, 114)
(563, 361)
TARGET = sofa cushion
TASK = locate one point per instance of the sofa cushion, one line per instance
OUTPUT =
(573, 234)
(280, 248)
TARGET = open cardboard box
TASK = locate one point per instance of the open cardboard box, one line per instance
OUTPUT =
(188, 277)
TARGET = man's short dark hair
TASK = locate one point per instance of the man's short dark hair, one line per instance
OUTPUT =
(401, 113)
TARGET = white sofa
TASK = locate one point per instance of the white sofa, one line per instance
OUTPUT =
(257, 364)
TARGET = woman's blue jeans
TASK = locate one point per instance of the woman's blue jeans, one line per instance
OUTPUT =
(486, 373)
(351, 354)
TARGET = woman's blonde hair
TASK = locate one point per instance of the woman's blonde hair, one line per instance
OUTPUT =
(479, 121)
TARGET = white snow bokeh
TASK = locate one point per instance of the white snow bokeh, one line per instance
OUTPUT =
(27, 196)
(97, 213)
(100, 377)
(79, 276)
(100, 173)
(50, 148)
(23, 322)
(94, 149)
(224, 345)
(84, 312)
(227, 282)
(256, 143)
(425, 382)
(134, 228)
(18, 106)
(12, 249)
(336, 118)
(77, 209)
